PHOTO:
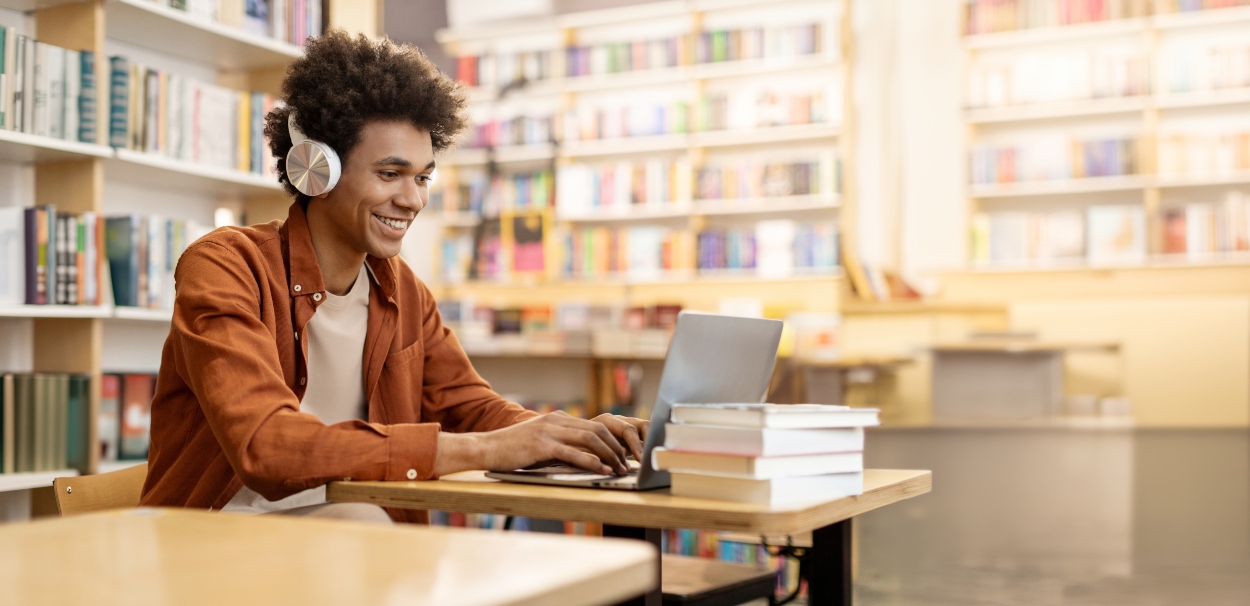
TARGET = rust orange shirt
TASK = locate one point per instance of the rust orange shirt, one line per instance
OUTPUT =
(226, 411)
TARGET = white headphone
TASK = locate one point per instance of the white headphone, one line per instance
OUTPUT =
(311, 166)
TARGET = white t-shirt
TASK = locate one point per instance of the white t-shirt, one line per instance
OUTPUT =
(335, 391)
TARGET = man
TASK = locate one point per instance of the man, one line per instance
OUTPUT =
(306, 351)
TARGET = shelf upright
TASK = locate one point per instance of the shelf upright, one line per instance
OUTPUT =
(73, 345)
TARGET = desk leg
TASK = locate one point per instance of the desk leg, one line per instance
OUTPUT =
(828, 566)
(650, 535)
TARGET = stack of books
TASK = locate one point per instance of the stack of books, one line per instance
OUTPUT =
(766, 454)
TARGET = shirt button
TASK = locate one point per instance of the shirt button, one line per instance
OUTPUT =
(303, 380)
(316, 296)
(412, 474)
(296, 336)
(298, 288)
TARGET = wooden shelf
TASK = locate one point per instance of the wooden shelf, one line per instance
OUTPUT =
(143, 314)
(1205, 98)
(633, 212)
(769, 205)
(1158, 261)
(1203, 18)
(153, 170)
(109, 466)
(688, 73)
(1176, 181)
(625, 145)
(25, 148)
(1050, 111)
(1060, 187)
(55, 311)
(1053, 35)
(503, 155)
(172, 31)
(38, 479)
(759, 136)
(667, 277)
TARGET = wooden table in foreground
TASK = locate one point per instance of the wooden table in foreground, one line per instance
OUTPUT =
(174, 556)
(641, 515)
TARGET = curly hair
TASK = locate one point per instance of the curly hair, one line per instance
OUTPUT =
(341, 83)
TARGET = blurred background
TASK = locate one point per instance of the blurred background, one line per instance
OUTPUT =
(1038, 266)
(1019, 228)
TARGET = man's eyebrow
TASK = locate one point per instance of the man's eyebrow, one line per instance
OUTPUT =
(430, 165)
(393, 161)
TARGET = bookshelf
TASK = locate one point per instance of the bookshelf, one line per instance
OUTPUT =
(577, 69)
(74, 176)
(1157, 81)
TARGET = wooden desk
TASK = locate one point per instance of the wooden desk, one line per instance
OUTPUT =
(641, 515)
(1003, 377)
(173, 556)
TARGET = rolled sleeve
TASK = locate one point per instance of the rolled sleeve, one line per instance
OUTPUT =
(414, 451)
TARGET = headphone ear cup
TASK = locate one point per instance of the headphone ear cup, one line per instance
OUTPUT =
(313, 167)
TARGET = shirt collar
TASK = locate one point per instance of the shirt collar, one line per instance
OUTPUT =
(304, 274)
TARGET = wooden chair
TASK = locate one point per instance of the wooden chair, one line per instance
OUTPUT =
(113, 490)
(701, 582)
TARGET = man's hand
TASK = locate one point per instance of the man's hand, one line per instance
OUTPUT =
(630, 432)
(586, 444)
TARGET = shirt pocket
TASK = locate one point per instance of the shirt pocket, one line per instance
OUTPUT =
(400, 384)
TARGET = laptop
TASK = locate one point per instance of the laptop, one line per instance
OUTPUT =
(711, 359)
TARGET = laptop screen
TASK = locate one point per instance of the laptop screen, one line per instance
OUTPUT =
(711, 359)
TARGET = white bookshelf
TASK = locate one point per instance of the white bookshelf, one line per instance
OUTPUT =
(160, 171)
(26, 148)
(176, 32)
(30, 5)
(778, 205)
(1205, 98)
(771, 205)
(1151, 119)
(28, 480)
(626, 213)
(143, 314)
(1060, 187)
(1066, 109)
(56, 311)
(1203, 18)
(795, 133)
(625, 146)
(1057, 35)
(109, 466)
(503, 155)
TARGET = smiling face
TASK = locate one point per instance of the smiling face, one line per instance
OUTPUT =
(385, 183)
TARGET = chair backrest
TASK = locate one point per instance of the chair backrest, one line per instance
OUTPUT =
(113, 490)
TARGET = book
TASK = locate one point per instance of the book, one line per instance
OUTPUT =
(40, 395)
(108, 424)
(40, 82)
(24, 423)
(136, 415)
(87, 100)
(4, 76)
(774, 415)
(54, 66)
(772, 492)
(12, 256)
(122, 236)
(759, 468)
(762, 442)
(119, 102)
(8, 433)
(77, 417)
(72, 102)
(40, 255)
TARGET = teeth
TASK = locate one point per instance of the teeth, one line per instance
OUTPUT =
(393, 222)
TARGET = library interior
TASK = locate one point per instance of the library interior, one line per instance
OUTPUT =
(891, 302)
